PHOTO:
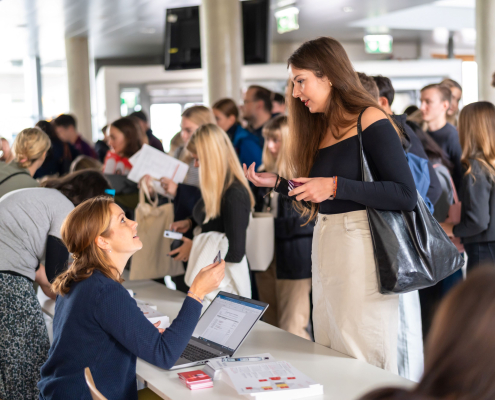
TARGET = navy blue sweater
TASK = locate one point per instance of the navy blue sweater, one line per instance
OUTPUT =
(98, 325)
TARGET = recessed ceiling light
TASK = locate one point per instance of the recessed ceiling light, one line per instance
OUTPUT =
(147, 31)
(347, 9)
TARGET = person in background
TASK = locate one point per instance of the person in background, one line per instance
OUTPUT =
(369, 85)
(226, 200)
(460, 348)
(278, 104)
(476, 229)
(85, 162)
(175, 143)
(435, 102)
(6, 155)
(29, 235)
(101, 146)
(145, 126)
(350, 315)
(192, 118)
(245, 143)
(66, 129)
(142, 132)
(456, 91)
(60, 155)
(257, 110)
(411, 142)
(29, 150)
(124, 141)
(286, 284)
(410, 110)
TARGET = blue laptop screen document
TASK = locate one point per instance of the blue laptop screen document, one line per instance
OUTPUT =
(227, 321)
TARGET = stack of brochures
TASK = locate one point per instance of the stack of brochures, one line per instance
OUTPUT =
(272, 380)
(150, 312)
(195, 380)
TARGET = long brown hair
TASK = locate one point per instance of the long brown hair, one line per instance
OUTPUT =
(132, 135)
(477, 136)
(460, 347)
(79, 232)
(325, 57)
(227, 107)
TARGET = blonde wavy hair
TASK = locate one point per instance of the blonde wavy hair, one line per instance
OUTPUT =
(199, 115)
(276, 129)
(30, 145)
(80, 229)
(477, 136)
(219, 167)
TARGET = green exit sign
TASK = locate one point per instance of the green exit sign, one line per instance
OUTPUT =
(378, 44)
(287, 19)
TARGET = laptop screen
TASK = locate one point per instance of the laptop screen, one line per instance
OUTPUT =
(227, 321)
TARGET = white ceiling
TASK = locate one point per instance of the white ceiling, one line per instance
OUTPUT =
(129, 28)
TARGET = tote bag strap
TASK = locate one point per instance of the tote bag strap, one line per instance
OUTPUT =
(365, 170)
(144, 192)
(14, 174)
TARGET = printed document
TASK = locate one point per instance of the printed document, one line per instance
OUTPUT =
(157, 164)
(269, 377)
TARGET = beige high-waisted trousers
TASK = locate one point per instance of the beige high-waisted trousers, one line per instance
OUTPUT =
(349, 313)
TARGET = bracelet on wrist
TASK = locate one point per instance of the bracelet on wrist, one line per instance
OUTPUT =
(334, 192)
(195, 296)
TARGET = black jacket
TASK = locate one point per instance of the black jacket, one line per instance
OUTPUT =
(292, 240)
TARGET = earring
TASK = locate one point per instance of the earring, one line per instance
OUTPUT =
(109, 251)
(330, 83)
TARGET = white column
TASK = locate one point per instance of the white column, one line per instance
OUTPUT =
(485, 48)
(221, 49)
(78, 67)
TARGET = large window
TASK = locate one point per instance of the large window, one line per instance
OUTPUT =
(165, 121)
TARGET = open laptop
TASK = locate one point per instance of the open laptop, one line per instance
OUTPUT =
(221, 329)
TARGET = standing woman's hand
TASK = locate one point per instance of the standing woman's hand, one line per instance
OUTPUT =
(259, 179)
(169, 186)
(314, 190)
(183, 251)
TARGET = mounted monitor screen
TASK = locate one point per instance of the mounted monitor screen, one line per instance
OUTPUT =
(182, 42)
(255, 30)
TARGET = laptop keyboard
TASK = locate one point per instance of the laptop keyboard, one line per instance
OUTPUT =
(193, 353)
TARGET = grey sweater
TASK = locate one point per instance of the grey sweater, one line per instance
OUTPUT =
(478, 205)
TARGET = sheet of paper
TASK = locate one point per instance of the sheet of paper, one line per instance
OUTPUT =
(154, 316)
(267, 377)
(157, 164)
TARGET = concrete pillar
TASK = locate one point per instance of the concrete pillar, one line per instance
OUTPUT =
(221, 49)
(78, 67)
(485, 48)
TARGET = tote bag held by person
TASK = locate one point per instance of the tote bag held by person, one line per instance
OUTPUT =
(260, 240)
(411, 249)
(152, 261)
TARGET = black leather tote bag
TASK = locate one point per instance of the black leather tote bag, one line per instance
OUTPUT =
(411, 249)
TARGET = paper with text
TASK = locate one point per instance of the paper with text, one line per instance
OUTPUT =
(157, 164)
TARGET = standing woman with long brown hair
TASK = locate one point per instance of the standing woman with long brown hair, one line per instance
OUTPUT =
(476, 228)
(327, 104)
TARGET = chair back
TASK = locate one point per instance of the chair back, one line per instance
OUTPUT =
(95, 393)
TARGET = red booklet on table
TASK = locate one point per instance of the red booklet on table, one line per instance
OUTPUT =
(196, 379)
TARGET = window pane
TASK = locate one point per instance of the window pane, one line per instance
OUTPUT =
(165, 122)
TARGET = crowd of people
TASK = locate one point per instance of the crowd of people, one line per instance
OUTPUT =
(66, 226)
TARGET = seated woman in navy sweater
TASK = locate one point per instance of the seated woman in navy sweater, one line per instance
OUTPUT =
(97, 324)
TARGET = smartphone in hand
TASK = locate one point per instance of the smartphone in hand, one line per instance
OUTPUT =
(293, 185)
(218, 258)
(172, 235)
